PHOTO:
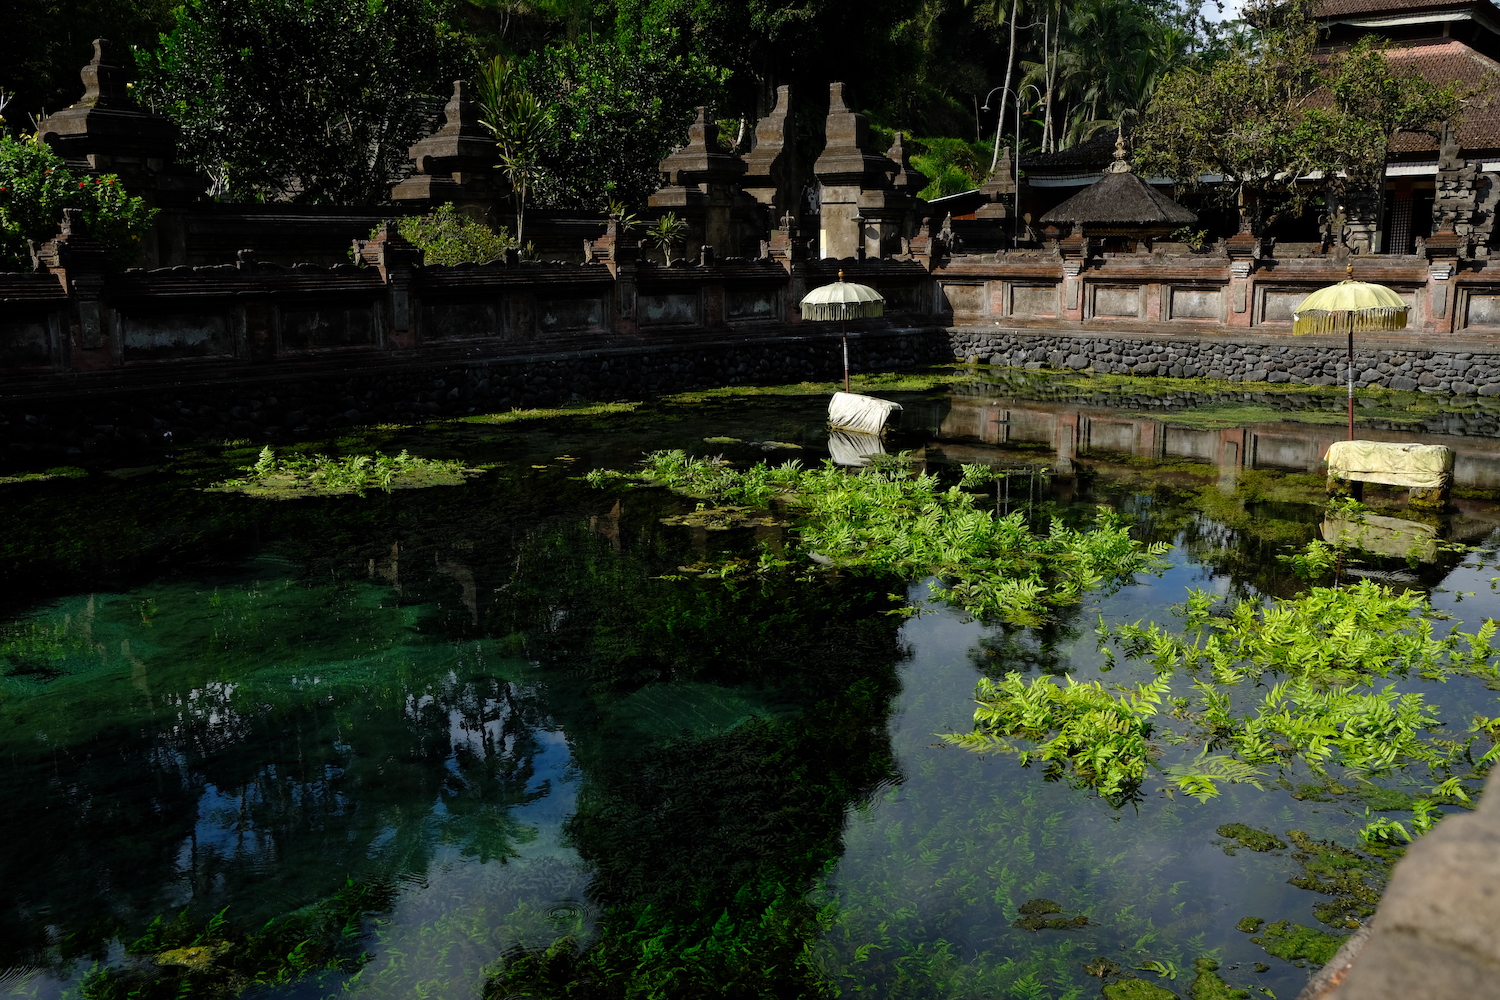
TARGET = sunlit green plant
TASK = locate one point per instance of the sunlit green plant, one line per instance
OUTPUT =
(36, 185)
(446, 237)
(298, 474)
(1329, 647)
(885, 520)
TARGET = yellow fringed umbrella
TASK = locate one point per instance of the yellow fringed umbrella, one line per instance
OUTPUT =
(843, 301)
(1349, 307)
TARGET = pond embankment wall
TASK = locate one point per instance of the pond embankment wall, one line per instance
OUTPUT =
(92, 360)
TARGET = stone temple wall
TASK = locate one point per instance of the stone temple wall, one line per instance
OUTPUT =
(92, 358)
(1238, 360)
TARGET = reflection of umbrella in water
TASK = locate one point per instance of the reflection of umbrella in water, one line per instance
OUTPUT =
(1349, 307)
(842, 301)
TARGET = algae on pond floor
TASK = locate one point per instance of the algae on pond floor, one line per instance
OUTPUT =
(1296, 943)
(1256, 840)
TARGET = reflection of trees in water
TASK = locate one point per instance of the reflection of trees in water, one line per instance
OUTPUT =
(261, 750)
(1045, 648)
(722, 736)
(263, 796)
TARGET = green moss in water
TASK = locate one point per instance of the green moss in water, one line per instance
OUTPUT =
(1102, 968)
(547, 413)
(1312, 792)
(1036, 916)
(1256, 840)
(1386, 799)
(1352, 879)
(1224, 415)
(61, 472)
(1208, 985)
(1137, 989)
(1250, 924)
(1294, 942)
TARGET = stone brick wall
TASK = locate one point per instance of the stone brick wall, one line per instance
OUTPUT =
(1259, 359)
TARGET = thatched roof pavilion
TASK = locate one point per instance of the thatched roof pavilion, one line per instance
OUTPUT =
(1121, 204)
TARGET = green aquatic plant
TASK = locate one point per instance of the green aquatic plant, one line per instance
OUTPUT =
(1208, 985)
(181, 956)
(1353, 880)
(59, 472)
(1326, 635)
(1137, 989)
(1329, 647)
(299, 475)
(885, 520)
(1247, 836)
(1101, 739)
(1045, 915)
(550, 412)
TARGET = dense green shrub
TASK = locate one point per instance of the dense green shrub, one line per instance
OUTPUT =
(36, 185)
(449, 238)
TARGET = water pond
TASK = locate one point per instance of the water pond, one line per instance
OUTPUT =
(515, 738)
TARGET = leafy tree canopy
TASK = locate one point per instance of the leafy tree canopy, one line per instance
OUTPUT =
(617, 108)
(316, 100)
(1272, 110)
(46, 42)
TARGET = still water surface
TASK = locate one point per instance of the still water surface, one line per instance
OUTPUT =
(443, 731)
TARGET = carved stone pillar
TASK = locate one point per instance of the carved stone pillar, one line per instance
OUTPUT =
(397, 259)
(852, 176)
(700, 182)
(106, 132)
(79, 263)
(773, 177)
(456, 164)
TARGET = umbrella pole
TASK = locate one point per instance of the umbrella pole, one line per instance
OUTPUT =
(1351, 383)
(844, 330)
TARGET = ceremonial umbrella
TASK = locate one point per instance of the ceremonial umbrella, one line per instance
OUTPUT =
(842, 301)
(1348, 307)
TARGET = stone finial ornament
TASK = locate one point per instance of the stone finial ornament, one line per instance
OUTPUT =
(1121, 165)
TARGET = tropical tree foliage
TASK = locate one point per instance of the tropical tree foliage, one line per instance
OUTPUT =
(315, 101)
(1272, 111)
(616, 108)
(318, 101)
(46, 42)
(522, 126)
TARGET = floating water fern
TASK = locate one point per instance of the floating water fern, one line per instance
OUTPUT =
(885, 520)
(1328, 646)
(1326, 635)
(1103, 738)
(321, 475)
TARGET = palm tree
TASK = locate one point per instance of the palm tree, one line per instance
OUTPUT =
(522, 126)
